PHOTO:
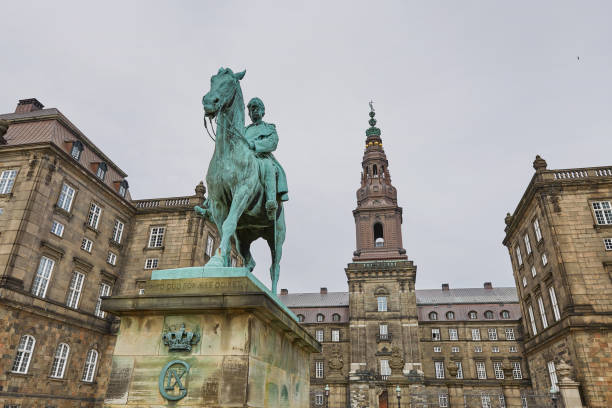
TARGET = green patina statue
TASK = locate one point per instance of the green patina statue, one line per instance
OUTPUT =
(246, 185)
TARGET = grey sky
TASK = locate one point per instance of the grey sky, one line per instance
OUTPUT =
(466, 94)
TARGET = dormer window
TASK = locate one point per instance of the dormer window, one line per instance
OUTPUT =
(123, 186)
(101, 172)
(77, 148)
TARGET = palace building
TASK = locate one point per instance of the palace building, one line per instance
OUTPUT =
(71, 234)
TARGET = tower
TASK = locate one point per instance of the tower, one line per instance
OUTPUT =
(383, 325)
(378, 218)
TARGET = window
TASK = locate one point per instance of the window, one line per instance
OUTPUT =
(524, 402)
(488, 314)
(497, 369)
(608, 244)
(74, 291)
(105, 290)
(300, 318)
(335, 335)
(477, 349)
(318, 399)
(505, 314)
(494, 349)
(555, 305)
(544, 260)
(57, 228)
(7, 179)
(433, 316)
(86, 245)
(536, 229)
(481, 371)
(502, 401)
(151, 263)
(77, 148)
(542, 312)
(459, 370)
(513, 349)
(382, 303)
(437, 349)
(527, 244)
(475, 334)
(117, 231)
(94, 215)
(111, 258)
(156, 239)
(383, 330)
(379, 239)
(439, 369)
(534, 328)
(450, 315)
(123, 186)
(510, 334)
(43, 275)
(524, 282)
(486, 401)
(59, 361)
(492, 334)
(66, 196)
(552, 372)
(24, 354)
(210, 243)
(603, 212)
(318, 369)
(473, 315)
(320, 318)
(319, 335)
(141, 291)
(519, 258)
(517, 374)
(90, 366)
(533, 271)
(435, 334)
(454, 349)
(335, 317)
(101, 172)
(452, 334)
(443, 400)
(385, 370)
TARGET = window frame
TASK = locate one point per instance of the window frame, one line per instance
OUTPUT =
(87, 245)
(492, 331)
(433, 315)
(607, 244)
(476, 334)
(510, 330)
(75, 289)
(149, 265)
(102, 291)
(89, 369)
(534, 327)
(7, 182)
(554, 302)
(498, 370)
(439, 369)
(39, 277)
(537, 230)
(156, 237)
(111, 258)
(320, 318)
(453, 334)
(382, 304)
(527, 244)
(450, 315)
(436, 335)
(94, 215)
(320, 335)
(519, 256)
(481, 370)
(459, 366)
(57, 228)
(552, 374)
(542, 312)
(602, 214)
(335, 335)
(66, 197)
(517, 371)
(60, 360)
(25, 351)
(319, 369)
(117, 234)
(210, 245)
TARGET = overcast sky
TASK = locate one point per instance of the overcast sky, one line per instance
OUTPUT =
(466, 94)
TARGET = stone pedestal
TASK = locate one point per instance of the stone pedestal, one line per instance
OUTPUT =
(570, 393)
(213, 337)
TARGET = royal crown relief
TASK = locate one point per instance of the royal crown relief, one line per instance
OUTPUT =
(180, 339)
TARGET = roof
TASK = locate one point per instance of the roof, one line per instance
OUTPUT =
(423, 297)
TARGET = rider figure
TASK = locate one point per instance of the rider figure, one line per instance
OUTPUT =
(263, 139)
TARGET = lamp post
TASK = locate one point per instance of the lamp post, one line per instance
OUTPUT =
(554, 395)
(326, 395)
(398, 393)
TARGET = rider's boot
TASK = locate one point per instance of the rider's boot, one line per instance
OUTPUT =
(271, 205)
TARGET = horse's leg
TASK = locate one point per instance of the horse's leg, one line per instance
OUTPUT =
(239, 203)
(246, 239)
(219, 214)
(276, 249)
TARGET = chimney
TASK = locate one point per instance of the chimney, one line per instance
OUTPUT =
(284, 292)
(324, 291)
(445, 286)
(488, 285)
(28, 105)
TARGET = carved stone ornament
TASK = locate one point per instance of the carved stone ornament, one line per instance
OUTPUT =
(397, 361)
(180, 339)
(173, 380)
(564, 370)
(335, 362)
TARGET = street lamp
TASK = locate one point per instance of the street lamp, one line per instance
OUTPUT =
(326, 395)
(554, 395)
(398, 392)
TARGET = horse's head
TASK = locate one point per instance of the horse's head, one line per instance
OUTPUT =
(223, 87)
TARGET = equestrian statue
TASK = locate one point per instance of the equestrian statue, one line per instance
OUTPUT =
(246, 184)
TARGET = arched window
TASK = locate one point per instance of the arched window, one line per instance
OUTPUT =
(374, 170)
(473, 315)
(488, 314)
(300, 318)
(24, 354)
(89, 371)
(505, 314)
(336, 317)
(433, 316)
(379, 238)
(59, 361)
(320, 317)
(450, 315)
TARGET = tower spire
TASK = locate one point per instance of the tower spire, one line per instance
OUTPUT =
(378, 218)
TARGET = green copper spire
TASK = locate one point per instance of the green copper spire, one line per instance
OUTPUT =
(372, 131)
